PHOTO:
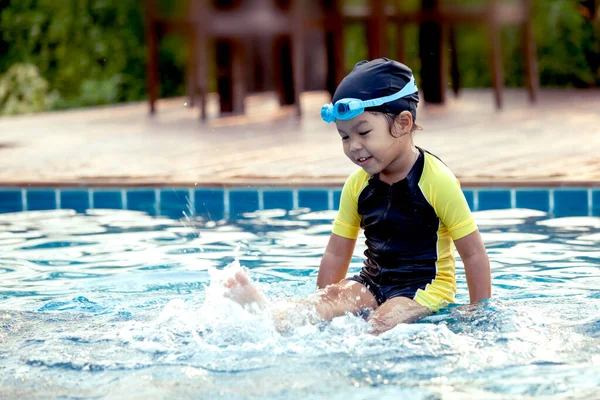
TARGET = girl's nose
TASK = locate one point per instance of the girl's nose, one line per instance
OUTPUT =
(355, 145)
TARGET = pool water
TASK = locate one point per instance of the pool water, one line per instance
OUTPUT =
(119, 304)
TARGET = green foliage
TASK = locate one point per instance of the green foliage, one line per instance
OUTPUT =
(564, 39)
(568, 46)
(90, 52)
(23, 90)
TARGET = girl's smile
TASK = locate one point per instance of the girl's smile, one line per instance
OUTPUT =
(362, 161)
(368, 143)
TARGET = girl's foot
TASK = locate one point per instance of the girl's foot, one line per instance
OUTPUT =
(242, 290)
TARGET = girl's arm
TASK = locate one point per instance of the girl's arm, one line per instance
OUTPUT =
(477, 266)
(335, 261)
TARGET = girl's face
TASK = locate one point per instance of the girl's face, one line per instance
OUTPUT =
(368, 143)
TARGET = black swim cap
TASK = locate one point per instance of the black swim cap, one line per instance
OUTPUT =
(377, 78)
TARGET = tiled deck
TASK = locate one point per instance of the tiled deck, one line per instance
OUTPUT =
(555, 143)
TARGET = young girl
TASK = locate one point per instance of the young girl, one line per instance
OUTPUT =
(409, 204)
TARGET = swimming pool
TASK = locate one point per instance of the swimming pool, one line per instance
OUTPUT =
(107, 293)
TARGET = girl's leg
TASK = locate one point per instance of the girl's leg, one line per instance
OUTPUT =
(398, 310)
(323, 305)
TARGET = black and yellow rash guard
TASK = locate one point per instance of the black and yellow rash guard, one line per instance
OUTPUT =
(409, 229)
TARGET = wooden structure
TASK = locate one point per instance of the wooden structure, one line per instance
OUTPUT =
(226, 25)
(437, 20)
(223, 25)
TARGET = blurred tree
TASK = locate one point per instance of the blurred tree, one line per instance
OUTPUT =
(23, 90)
(568, 46)
(90, 51)
(93, 52)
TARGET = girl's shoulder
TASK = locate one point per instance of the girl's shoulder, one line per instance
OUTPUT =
(356, 182)
(358, 176)
(435, 168)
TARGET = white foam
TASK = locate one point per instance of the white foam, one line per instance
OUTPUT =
(510, 213)
(571, 222)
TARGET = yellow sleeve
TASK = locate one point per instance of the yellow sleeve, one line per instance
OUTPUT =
(347, 221)
(443, 192)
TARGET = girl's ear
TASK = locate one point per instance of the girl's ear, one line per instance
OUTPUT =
(406, 121)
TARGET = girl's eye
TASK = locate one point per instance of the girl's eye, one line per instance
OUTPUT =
(363, 133)
(345, 137)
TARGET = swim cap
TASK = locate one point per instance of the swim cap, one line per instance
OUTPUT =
(378, 78)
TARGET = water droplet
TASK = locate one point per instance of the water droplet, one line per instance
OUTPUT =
(363, 290)
(357, 298)
(185, 104)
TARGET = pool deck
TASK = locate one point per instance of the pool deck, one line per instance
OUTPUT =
(553, 143)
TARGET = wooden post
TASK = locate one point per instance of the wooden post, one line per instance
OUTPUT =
(151, 55)
(454, 72)
(334, 41)
(298, 51)
(400, 46)
(200, 13)
(284, 69)
(529, 50)
(192, 65)
(431, 54)
(376, 25)
(495, 43)
(229, 79)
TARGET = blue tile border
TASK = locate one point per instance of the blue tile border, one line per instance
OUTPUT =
(11, 200)
(337, 195)
(210, 203)
(110, 199)
(142, 200)
(570, 202)
(75, 199)
(314, 199)
(494, 199)
(41, 199)
(175, 203)
(243, 201)
(470, 197)
(278, 199)
(535, 199)
(219, 203)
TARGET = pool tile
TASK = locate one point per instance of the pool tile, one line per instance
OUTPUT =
(41, 199)
(315, 199)
(278, 199)
(210, 204)
(142, 200)
(242, 201)
(596, 203)
(470, 197)
(337, 195)
(493, 199)
(10, 200)
(570, 202)
(109, 199)
(174, 202)
(533, 199)
(75, 199)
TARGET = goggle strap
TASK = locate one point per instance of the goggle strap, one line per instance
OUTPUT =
(409, 88)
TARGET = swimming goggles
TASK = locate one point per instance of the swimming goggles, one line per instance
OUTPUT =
(347, 108)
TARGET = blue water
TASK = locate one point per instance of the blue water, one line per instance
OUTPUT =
(119, 304)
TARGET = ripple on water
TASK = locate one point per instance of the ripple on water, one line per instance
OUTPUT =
(138, 299)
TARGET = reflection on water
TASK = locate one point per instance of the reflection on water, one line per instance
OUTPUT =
(118, 304)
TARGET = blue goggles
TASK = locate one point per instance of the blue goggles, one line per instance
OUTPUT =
(346, 109)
